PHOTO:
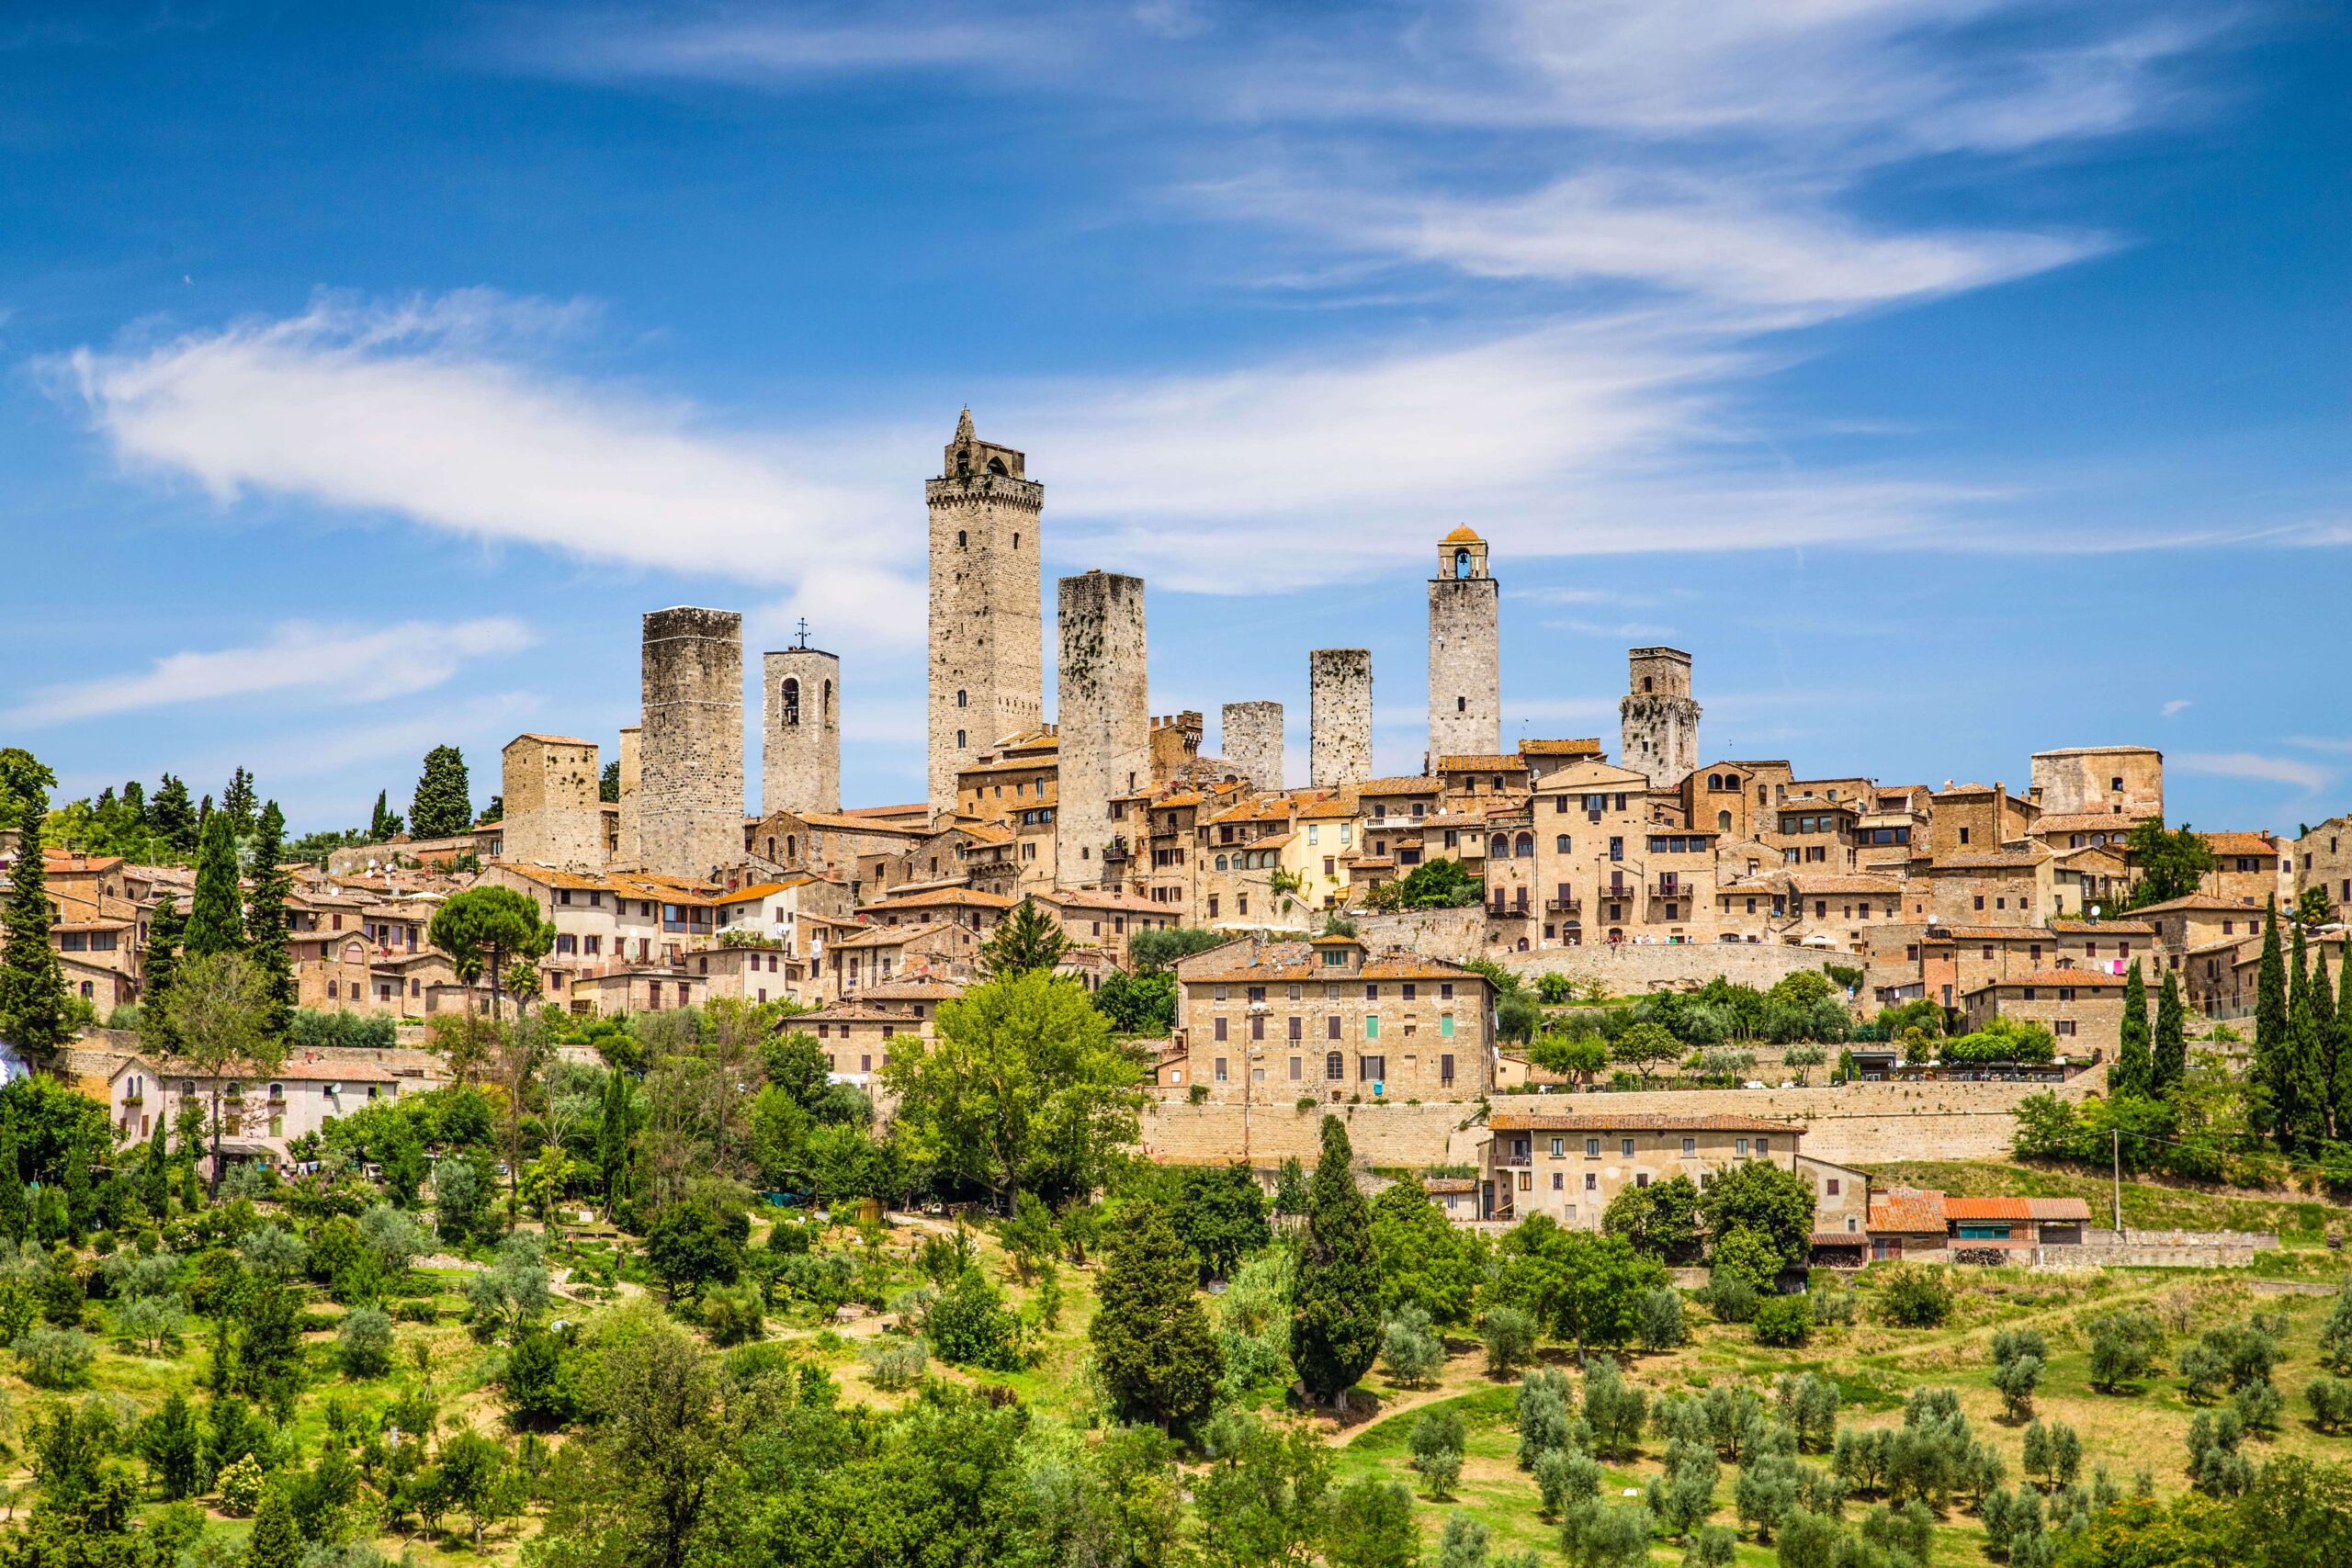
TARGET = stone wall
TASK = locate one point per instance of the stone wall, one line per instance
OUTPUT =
(1251, 742)
(2079, 780)
(1103, 716)
(1339, 684)
(987, 597)
(800, 739)
(1454, 935)
(1465, 668)
(1429, 1133)
(690, 810)
(551, 812)
(1630, 969)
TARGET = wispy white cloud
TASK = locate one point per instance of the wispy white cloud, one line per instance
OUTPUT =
(353, 664)
(2309, 777)
(1637, 630)
(2177, 705)
(2328, 743)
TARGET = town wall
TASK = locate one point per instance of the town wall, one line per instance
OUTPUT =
(1429, 1133)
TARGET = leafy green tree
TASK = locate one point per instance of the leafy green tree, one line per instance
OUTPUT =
(1508, 1335)
(1413, 1355)
(444, 806)
(216, 921)
(968, 1324)
(1585, 1289)
(34, 1012)
(2335, 1335)
(2301, 1102)
(1025, 941)
(1159, 1359)
(2168, 1063)
(1335, 1311)
(483, 927)
(1760, 1196)
(1424, 1258)
(1220, 1214)
(1437, 1442)
(383, 822)
(265, 919)
(173, 1445)
(2322, 1065)
(1439, 884)
(219, 1014)
(1290, 1187)
(1643, 1045)
(1262, 1499)
(1575, 1057)
(2134, 1073)
(697, 1242)
(159, 966)
(1152, 951)
(1142, 1005)
(1661, 1219)
(2170, 865)
(1022, 1088)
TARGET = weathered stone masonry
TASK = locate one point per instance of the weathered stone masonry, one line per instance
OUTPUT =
(690, 813)
(987, 626)
(1252, 742)
(1339, 715)
(800, 733)
(1103, 714)
(1465, 652)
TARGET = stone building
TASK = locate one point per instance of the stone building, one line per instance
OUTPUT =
(1569, 1164)
(1103, 716)
(2084, 1008)
(553, 812)
(1660, 720)
(2324, 860)
(986, 621)
(690, 807)
(1465, 652)
(1252, 742)
(2250, 868)
(2115, 779)
(800, 733)
(1338, 682)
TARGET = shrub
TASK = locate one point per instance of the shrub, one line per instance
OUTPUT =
(970, 1327)
(1917, 1297)
(1412, 1354)
(1509, 1337)
(732, 1313)
(1784, 1321)
(56, 1357)
(2331, 1401)
(1833, 1304)
(241, 1486)
(2123, 1347)
(1661, 1326)
(1542, 1413)
(1437, 1442)
(895, 1362)
(1732, 1298)
(363, 1343)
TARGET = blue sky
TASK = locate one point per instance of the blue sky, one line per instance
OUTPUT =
(1954, 379)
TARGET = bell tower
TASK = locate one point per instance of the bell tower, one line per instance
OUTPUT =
(1465, 652)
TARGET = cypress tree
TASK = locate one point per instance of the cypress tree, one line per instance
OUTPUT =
(1025, 940)
(2134, 1073)
(2169, 1064)
(2303, 1091)
(277, 1541)
(443, 805)
(1160, 1358)
(2339, 1083)
(15, 1215)
(216, 921)
(2269, 1026)
(2324, 1038)
(155, 1175)
(33, 1014)
(1334, 1308)
(612, 1141)
(237, 802)
(266, 921)
(157, 969)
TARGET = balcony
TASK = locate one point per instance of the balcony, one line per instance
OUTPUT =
(1563, 906)
(1671, 889)
(1514, 1162)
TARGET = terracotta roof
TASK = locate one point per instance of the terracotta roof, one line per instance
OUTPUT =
(1991, 860)
(909, 809)
(2241, 844)
(2090, 821)
(1839, 1238)
(1483, 762)
(1098, 898)
(2016, 1209)
(849, 1012)
(913, 988)
(967, 897)
(1449, 1184)
(550, 739)
(860, 824)
(762, 889)
(1461, 536)
(1633, 1121)
(1402, 785)
(893, 936)
(1842, 883)
(1336, 806)
(2092, 927)
(300, 1071)
(1589, 747)
(2097, 979)
(1989, 933)
(2194, 902)
(1908, 1212)
(1286, 961)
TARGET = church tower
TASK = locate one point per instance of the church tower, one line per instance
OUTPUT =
(1465, 652)
(986, 628)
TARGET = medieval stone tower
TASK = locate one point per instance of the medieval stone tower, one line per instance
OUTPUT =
(1465, 652)
(987, 626)
(1252, 742)
(800, 729)
(690, 795)
(628, 852)
(1661, 722)
(1339, 684)
(1103, 715)
(553, 813)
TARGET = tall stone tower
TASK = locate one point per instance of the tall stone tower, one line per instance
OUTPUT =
(553, 815)
(1465, 652)
(1661, 722)
(1252, 742)
(690, 796)
(1339, 685)
(800, 730)
(986, 627)
(628, 852)
(1103, 716)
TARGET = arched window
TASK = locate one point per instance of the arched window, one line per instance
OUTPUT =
(1334, 1066)
(791, 846)
(1220, 862)
(1560, 844)
(1524, 846)
(791, 702)
(771, 846)
(963, 699)
(959, 538)
(1723, 821)
(1715, 781)
(1499, 847)
(996, 467)
(1462, 563)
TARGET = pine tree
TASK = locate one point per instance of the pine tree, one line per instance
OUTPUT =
(1158, 1357)
(157, 967)
(2132, 1072)
(265, 919)
(33, 1007)
(2270, 1030)
(277, 1541)
(237, 803)
(1023, 939)
(1335, 1307)
(2169, 1064)
(443, 805)
(216, 921)
(172, 816)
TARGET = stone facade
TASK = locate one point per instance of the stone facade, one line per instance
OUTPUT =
(1252, 742)
(1660, 720)
(800, 732)
(629, 852)
(690, 812)
(2128, 781)
(987, 624)
(2324, 860)
(1568, 1163)
(553, 815)
(1338, 682)
(1103, 716)
(1465, 652)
